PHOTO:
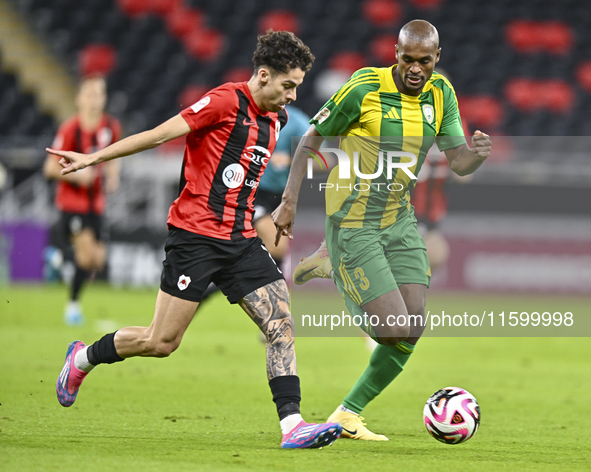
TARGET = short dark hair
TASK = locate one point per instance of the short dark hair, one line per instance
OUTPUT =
(282, 51)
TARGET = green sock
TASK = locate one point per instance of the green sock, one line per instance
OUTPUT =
(385, 364)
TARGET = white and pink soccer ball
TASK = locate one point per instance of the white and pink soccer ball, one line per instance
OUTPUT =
(452, 415)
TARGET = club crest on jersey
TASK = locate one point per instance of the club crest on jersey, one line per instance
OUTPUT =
(322, 115)
(200, 104)
(429, 113)
(258, 155)
(184, 281)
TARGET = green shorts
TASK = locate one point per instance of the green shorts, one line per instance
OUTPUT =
(370, 262)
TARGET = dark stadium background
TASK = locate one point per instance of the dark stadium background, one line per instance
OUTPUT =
(521, 70)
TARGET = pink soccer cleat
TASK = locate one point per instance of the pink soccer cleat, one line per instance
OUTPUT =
(310, 435)
(70, 378)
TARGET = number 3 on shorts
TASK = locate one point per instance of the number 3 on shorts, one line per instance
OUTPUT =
(360, 275)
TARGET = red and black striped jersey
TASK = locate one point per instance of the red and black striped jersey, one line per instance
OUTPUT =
(225, 156)
(71, 137)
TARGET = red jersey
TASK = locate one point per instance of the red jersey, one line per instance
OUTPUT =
(71, 137)
(226, 153)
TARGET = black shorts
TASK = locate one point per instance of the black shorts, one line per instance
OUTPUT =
(72, 223)
(194, 261)
(265, 203)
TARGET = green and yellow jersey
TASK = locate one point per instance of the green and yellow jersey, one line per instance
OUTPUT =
(371, 115)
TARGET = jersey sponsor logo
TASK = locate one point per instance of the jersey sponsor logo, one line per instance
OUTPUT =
(322, 115)
(233, 175)
(392, 114)
(184, 281)
(258, 155)
(429, 113)
(200, 104)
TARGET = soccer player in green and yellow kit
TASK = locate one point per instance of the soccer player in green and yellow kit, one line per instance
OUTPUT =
(379, 260)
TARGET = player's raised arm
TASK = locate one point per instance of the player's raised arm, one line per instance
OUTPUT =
(464, 160)
(284, 215)
(171, 129)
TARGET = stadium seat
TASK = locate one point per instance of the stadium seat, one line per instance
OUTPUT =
(97, 59)
(584, 75)
(383, 13)
(481, 111)
(279, 21)
(238, 74)
(181, 22)
(347, 61)
(527, 36)
(531, 95)
(134, 7)
(383, 48)
(204, 44)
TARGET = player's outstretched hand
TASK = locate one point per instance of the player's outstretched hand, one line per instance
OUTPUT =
(71, 161)
(481, 145)
(282, 220)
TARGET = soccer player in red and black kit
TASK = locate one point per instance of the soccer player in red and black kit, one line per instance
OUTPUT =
(80, 197)
(231, 133)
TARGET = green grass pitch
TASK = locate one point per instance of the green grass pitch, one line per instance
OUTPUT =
(208, 406)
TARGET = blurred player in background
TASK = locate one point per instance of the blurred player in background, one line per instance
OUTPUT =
(379, 260)
(231, 133)
(80, 197)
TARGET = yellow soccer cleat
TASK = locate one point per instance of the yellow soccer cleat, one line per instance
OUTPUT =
(354, 427)
(314, 266)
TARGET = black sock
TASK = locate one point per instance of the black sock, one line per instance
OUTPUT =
(286, 395)
(80, 277)
(103, 351)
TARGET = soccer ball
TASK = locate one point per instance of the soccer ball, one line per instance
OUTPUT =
(452, 415)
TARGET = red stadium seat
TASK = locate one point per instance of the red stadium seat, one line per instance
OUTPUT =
(134, 7)
(481, 110)
(559, 37)
(204, 44)
(279, 21)
(96, 59)
(347, 61)
(559, 95)
(537, 36)
(382, 13)
(164, 7)
(238, 74)
(531, 95)
(383, 48)
(584, 75)
(523, 94)
(182, 21)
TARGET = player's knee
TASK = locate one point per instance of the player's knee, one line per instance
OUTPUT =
(394, 335)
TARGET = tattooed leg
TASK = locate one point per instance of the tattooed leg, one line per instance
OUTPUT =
(268, 307)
